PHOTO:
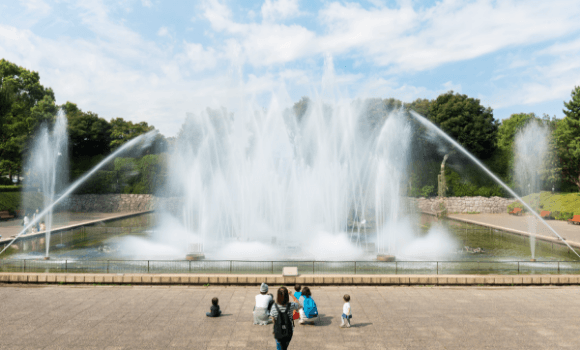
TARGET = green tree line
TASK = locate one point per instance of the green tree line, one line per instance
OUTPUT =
(26, 105)
(473, 126)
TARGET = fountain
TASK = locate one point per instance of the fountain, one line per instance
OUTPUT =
(448, 138)
(531, 145)
(143, 141)
(325, 184)
(47, 167)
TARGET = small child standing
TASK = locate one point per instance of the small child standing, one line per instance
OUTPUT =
(214, 309)
(346, 315)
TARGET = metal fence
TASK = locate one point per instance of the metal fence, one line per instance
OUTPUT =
(304, 267)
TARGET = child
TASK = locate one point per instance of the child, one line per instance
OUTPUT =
(346, 315)
(214, 309)
(295, 298)
(297, 293)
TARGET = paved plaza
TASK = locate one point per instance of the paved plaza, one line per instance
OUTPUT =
(173, 317)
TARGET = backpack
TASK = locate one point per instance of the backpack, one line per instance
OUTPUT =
(310, 308)
(283, 326)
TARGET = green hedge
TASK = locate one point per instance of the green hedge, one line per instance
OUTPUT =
(143, 175)
(11, 188)
(459, 187)
(13, 201)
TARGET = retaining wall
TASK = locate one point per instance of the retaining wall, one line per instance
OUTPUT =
(154, 279)
(491, 205)
(111, 203)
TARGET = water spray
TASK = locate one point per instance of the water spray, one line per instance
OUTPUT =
(430, 125)
(145, 137)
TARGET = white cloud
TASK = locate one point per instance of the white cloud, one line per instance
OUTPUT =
(273, 10)
(116, 72)
(38, 6)
(451, 86)
(552, 80)
(403, 37)
(146, 3)
(200, 58)
(163, 32)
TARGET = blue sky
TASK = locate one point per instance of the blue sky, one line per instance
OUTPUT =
(157, 60)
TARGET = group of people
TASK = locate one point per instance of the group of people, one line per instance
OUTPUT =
(283, 309)
(39, 226)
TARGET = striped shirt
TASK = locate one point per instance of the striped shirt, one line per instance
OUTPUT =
(288, 309)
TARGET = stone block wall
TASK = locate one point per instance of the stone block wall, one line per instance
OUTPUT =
(491, 205)
(110, 203)
(113, 203)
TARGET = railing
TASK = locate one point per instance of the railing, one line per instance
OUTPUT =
(304, 267)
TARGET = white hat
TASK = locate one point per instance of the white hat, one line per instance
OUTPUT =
(264, 288)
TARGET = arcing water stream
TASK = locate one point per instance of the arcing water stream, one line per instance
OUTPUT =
(433, 127)
(145, 141)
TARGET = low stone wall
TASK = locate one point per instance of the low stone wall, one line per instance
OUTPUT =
(317, 280)
(491, 205)
(112, 203)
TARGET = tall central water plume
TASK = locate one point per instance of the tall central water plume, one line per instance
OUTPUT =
(530, 147)
(313, 180)
(47, 167)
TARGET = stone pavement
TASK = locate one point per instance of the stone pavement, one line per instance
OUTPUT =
(138, 317)
(522, 223)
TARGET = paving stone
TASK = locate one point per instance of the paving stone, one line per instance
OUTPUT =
(384, 317)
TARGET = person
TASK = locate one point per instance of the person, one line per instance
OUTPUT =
(263, 304)
(214, 309)
(308, 311)
(25, 221)
(346, 314)
(295, 298)
(38, 223)
(282, 314)
(297, 293)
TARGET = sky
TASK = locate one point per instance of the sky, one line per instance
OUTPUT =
(155, 61)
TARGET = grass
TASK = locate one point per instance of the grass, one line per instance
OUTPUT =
(562, 205)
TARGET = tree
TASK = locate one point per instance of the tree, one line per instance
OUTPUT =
(89, 135)
(568, 139)
(123, 131)
(467, 121)
(24, 105)
(301, 107)
(420, 105)
(509, 127)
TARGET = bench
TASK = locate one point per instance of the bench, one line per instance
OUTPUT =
(545, 214)
(5, 215)
(516, 211)
(290, 271)
(575, 220)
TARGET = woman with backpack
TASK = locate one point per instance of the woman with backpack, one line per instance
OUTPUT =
(281, 312)
(308, 311)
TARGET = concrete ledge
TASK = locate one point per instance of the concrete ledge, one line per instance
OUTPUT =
(315, 280)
